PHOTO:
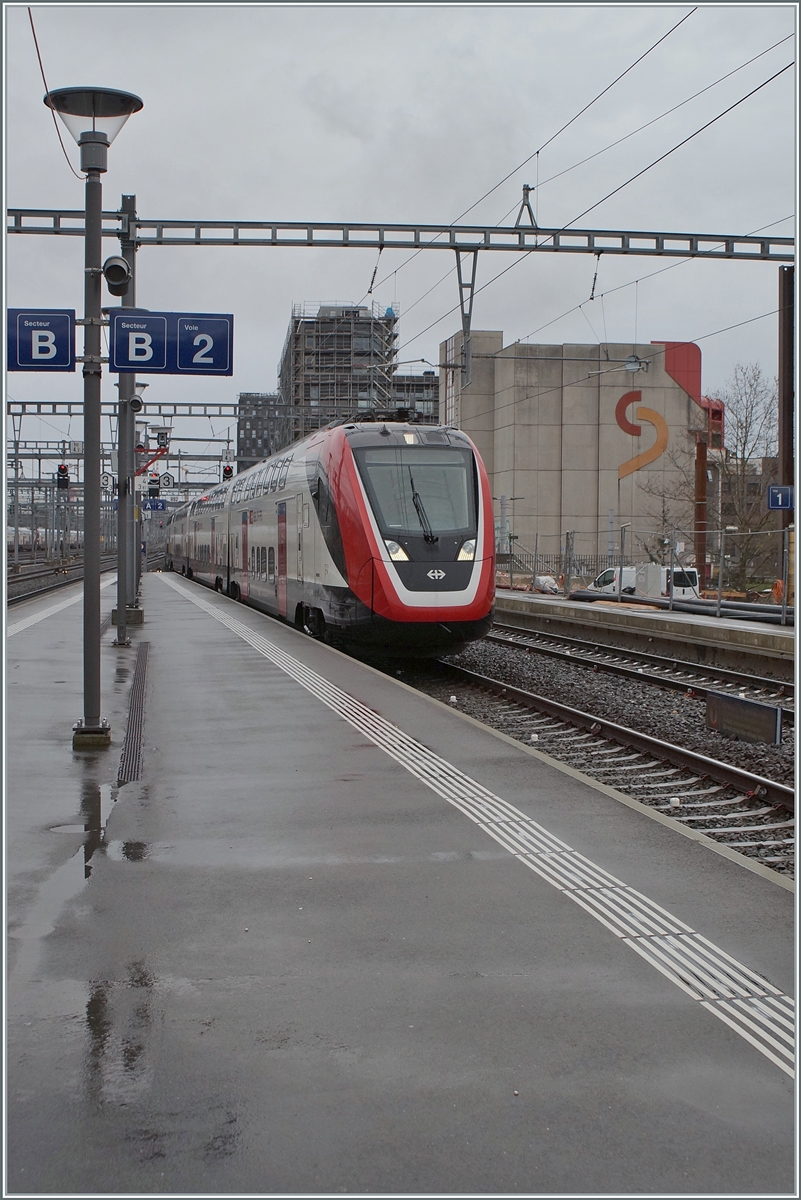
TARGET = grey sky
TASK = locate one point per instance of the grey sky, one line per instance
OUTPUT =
(411, 113)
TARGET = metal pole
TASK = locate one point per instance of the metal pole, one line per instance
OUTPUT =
(720, 572)
(672, 567)
(623, 529)
(786, 388)
(92, 731)
(125, 449)
(785, 572)
(700, 508)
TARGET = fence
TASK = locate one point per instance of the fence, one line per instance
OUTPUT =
(755, 566)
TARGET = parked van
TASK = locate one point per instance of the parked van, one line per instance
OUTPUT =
(649, 579)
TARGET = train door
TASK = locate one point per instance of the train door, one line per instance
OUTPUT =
(281, 511)
(212, 551)
(299, 517)
(245, 562)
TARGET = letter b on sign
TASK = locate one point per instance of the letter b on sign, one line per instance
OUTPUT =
(41, 339)
(43, 344)
(140, 347)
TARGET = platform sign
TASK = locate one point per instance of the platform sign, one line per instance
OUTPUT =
(106, 482)
(153, 504)
(781, 497)
(41, 339)
(172, 343)
(166, 480)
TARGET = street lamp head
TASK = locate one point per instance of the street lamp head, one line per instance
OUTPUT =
(94, 110)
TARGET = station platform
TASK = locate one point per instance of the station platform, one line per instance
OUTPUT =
(726, 635)
(333, 936)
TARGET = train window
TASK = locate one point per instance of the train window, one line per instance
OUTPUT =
(263, 562)
(253, 560)
(420, 489)
(271, 564)
(284, 471)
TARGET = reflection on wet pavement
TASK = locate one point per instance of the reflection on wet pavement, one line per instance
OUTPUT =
(118, 1019)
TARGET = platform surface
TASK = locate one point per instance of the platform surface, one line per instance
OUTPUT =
(307, 961)
(774, 641)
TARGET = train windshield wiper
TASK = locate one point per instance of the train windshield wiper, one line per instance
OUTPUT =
(428, 532)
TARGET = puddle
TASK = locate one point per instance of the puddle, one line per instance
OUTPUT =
(65, 882)
(128, 851)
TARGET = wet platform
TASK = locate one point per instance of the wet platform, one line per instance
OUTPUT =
(337, 937)
(727, 635)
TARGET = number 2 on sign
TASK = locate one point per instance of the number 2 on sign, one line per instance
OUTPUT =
(205, 342)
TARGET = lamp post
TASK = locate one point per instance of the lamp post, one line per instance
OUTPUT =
(94, 117)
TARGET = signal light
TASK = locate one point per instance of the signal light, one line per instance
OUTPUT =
(228, 471)
(62, 476)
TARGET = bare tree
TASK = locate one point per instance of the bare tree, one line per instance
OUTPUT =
(737, 497)
(745, 469)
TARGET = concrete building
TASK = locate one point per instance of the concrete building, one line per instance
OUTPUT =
(582, 439)
(255, 427)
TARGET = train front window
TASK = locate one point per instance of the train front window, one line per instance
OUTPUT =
(415, 487)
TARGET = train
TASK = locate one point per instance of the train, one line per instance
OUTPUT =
(376, 537)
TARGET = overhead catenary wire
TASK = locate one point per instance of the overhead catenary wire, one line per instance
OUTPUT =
(553, 136)
(666, 113)
(678, 146)
(614, 191)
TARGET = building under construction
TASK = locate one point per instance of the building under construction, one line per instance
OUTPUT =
(338, 362)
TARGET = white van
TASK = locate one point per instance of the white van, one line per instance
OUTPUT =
(649, 579)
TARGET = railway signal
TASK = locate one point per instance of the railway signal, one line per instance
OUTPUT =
(62, 477)
(153, 484)
(228, 472)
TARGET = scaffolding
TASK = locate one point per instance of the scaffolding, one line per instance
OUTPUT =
(338, 361)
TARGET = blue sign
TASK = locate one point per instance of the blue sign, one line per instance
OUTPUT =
(781, 497)
(154, 504)
(172, 343)
(41, 339)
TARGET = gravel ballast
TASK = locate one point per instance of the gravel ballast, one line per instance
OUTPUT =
(658, 712)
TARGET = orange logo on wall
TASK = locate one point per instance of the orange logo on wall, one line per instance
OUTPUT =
(643, 414)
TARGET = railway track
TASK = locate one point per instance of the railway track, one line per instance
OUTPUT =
(50, 579)
(635, 664)
(749, 814)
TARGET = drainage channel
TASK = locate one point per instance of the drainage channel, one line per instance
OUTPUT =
(132, 748)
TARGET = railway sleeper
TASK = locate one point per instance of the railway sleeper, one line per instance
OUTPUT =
(752, 813)
(709, 804)
(754, 829)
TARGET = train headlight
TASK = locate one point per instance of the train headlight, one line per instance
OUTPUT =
(396, 551)
(468, 551)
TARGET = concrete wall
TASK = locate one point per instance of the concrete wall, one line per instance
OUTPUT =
(547, 424)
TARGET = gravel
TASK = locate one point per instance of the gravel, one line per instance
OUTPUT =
(659, 712)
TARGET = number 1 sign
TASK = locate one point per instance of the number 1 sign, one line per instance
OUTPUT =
(171, 343)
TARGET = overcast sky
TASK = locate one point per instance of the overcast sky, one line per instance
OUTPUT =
(410, 114)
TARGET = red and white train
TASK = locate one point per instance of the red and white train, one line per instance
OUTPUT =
(374, 536)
